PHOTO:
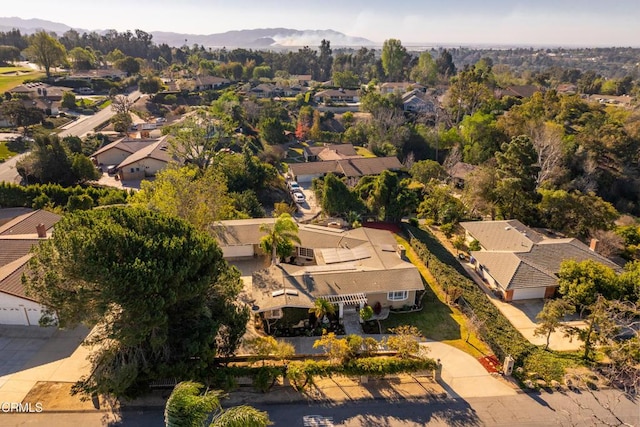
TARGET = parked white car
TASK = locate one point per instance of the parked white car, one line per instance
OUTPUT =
(294, 186)
(298, 197)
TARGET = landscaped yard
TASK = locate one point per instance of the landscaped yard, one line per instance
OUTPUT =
(5, 152)
(11, 77)
(361, 151)
(9, 149)
(437, 320)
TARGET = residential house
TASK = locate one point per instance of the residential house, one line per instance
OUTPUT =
(351, 168)
(459, 172)
(522, 263)
(521, 91)
(346, 267)
(399, 87)
(147, 161)
(303, 79)
(102, 73)
(200, 83)
(328, 152)
(292, 90)
(17, 236)
(337, 96)
(39, 90)
(117, 151)
(416, 101)
(203, 83)
(266, 90)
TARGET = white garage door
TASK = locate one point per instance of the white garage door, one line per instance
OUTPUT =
(239, 251)
(528, 293)
(12, 316)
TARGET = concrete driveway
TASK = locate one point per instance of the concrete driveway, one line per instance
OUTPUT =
(31, 354)
(522, 315)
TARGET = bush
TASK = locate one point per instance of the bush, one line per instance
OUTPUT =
(302, 373)
(40, 195)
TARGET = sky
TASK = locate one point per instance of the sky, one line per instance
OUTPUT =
(426, 22)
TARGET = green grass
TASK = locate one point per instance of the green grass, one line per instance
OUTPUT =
(552, 365)
(361, 151)
(6, 152)
(437, 320)
(5, 70)
(8, 82)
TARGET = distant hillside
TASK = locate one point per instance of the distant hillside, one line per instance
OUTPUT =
(263, 37)
(30, 26)
(258, 38)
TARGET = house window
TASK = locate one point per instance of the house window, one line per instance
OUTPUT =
(305, 252)
(398, 295)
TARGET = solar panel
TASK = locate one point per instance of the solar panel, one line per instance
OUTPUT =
(337, 255)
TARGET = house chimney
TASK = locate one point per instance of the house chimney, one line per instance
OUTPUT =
(401, 251)
(594, 245)
(42, 231)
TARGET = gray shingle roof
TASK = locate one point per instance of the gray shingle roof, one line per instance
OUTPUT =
(526, 260)
(352, 167)
(510, 235)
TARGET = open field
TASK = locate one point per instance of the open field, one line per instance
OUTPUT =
(11, 77)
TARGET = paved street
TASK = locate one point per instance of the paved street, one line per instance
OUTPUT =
(578, 409)
(87, 124)
(8, 172)
(571, 409)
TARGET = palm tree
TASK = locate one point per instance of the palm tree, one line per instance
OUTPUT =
(188, 406)
(322, 307)
(280, 237)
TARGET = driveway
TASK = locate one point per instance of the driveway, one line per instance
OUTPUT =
(30, 354)
(522, 315)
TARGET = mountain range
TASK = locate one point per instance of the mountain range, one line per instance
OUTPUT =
(257, 38)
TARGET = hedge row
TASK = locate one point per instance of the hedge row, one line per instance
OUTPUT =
(503, 338)
(302, 373)
(39, 195)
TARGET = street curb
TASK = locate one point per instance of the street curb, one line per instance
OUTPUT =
(136, 408)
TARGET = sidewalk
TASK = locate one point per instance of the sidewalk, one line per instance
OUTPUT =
(462, 377)
(60, 359)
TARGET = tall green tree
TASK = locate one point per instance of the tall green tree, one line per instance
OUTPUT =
(426, 171)
(388, 196)
(445, 66)
(575, 214)
(279, 237)
(199, 198)
(580, 283)
(425, 71)
(190, 406)
(46, 51)
(161, 294)
(518, 171)
(393, 58)
(337, 199)
(198, 138)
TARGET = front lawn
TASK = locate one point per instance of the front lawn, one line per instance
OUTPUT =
(5, 152)
(361, 151)
(437, 320)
